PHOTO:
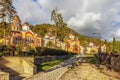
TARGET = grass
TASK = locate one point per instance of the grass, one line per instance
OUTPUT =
(47, 65)
(91, 60)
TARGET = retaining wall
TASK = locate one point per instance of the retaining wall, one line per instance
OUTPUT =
(4, 76)
(17, 65)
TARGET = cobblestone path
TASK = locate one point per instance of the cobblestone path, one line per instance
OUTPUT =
(55, 72)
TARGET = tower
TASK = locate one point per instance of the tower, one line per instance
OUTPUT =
(16, 24)
(26, 26)
(15, 33)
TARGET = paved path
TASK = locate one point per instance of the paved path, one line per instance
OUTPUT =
(55, 72)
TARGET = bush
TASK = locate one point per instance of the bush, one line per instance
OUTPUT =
(31, 51)
(43, 51)
(6, 53)
(5, 50)
(38, 51)
(1, 54)
(18, 50)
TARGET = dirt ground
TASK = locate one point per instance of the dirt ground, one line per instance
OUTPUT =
(87, 71)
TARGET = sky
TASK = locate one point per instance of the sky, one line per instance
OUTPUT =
(84, 16)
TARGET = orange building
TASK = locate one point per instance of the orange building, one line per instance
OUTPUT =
(22, 35)
(72, 44)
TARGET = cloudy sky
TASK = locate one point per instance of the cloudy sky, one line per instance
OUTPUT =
(84, 16)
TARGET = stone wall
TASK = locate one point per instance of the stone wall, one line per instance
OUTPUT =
(12, 65)
(17, 65)
(20, 65)
(4, 76)
(29, 67)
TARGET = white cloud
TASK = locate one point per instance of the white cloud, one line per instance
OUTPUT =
(117, 33)
(28, 10)
(84, 16)
(80, 21)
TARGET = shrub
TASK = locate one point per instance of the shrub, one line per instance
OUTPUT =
(5, 50)
(18, 50)
(31, 51)
(1, 54)
(43, 51)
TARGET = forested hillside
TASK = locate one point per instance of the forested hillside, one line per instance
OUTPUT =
(62, 32)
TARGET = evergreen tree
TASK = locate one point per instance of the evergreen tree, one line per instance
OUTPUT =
(119, 46)
(113, 44)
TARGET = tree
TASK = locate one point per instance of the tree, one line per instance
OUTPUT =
(7, 10)
(113, 43)
(57, 18)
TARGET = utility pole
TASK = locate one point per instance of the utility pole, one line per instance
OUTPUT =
(4, 30)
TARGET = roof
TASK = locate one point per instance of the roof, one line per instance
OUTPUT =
(26, 23)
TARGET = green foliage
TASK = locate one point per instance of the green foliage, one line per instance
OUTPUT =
(5, 50)
(18, 50)
(6, 26)
(47, 65)
(30, 51)
(91, 60)
(115, 45)
(85, 44)
(57, 18)
(49, 44)
(41, 29)
(42, 51)
(62, 33)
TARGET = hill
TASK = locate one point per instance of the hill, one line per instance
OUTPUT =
(62, 32)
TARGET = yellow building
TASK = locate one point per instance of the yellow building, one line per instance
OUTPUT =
(72, 44)
(22, 35)
(2, 40)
